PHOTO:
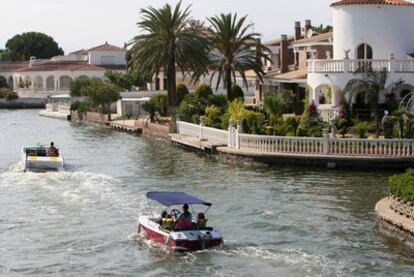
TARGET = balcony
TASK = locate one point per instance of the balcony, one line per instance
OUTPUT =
(358, 66)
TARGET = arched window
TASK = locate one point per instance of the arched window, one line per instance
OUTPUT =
(364, 52)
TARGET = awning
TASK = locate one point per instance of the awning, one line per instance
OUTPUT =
(175, 198)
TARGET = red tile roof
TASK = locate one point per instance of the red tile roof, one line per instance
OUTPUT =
(373, 2)
(106, 47)
(79, 52)
(68, 66)
(12, 66)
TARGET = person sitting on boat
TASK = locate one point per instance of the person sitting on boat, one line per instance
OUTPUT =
(168, 223)
(52, 150)
(201, 221)
(185, 220)
(162, 217)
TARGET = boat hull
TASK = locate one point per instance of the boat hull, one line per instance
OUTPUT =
(41, 163)
(188, 240)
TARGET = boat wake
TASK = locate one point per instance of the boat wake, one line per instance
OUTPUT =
(73, 188)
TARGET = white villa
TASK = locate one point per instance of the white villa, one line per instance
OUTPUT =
(374, 33)
(48, 77)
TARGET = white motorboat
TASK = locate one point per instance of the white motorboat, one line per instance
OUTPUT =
(39, 159)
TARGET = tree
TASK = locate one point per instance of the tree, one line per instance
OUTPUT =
(232, 52)
(371, 85)
(75, 87)
(125, 81)
(323, 29)
(101, 95)
(22, 47)
(168, 41)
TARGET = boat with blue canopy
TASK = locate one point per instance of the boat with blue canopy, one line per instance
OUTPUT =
(179, 230)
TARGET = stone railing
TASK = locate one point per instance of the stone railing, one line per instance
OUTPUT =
(353, 66)
(402, 207)
(326, 145)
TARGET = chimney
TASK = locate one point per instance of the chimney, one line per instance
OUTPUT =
(298, 31)
(32, 61)
(308, 26)
(284, 54)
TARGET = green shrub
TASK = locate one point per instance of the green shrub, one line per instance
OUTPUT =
(389, 124)
(3, 82)
(297, 107)
(310, 127)
(236, 92)
(8, 94)
(75, 105)
(253, 122)
(292, 125)
(158, 103)
(190, 106)
(219, 101)
(182, 91)
(204, 91)
(402, 185)
(362, 129)
(343, 126)
(213, 117)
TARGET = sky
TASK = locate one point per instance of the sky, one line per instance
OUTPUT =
(77, 24)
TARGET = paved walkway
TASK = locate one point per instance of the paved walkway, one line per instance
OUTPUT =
(193, 142)
(384, 211)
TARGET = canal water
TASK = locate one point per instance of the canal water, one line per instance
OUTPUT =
(276, 221)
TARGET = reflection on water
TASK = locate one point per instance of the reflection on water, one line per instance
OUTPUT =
(276, 221)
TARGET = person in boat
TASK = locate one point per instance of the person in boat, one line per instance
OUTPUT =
(168, 223)
(162, 217)
(52, 150)
(185, 220)
(201, 221)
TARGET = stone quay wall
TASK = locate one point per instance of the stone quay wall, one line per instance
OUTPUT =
(395, 219)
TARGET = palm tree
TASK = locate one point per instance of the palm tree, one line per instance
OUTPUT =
(372, 84)
(169, 42)
(323, 29)
(232, 50)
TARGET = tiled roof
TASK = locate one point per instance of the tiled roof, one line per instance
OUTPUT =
(276, 42)
(106, 47)
(68, 66)
(318, 37)
(79, 52)
(12, 66)
(292, 75)
(373, 2)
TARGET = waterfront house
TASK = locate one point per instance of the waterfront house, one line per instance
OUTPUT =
(44, 77)
(367, 34)
(289, 55)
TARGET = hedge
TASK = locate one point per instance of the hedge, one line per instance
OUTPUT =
(402, 185)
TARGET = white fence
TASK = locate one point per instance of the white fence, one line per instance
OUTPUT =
(202, 132)
(325, 145)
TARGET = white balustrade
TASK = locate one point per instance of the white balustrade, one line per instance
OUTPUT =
(352, 66)
(302, 145)
(278, 144)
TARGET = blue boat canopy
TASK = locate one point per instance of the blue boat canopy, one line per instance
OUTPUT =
(175, 198)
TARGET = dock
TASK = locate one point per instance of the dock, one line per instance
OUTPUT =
(126, 126)
(207, 146)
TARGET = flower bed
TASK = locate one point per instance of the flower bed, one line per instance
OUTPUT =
(402, 185)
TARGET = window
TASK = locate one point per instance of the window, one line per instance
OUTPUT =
(364, 52)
